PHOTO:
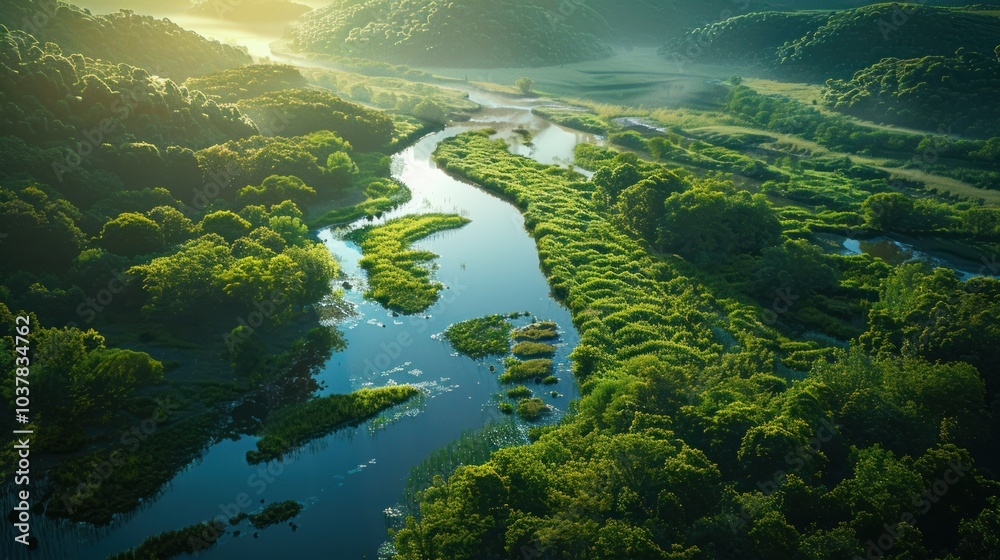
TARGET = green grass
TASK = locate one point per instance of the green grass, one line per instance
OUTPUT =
(532, 409)
(518, 392)
(295, 425)
(528, 349)
(480, 337)
(170, 544)
(575, 119)
(398, 277)
(544, 330)
(518, 370)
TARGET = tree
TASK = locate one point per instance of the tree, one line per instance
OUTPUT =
(175, 226)
(430, 111)
(226, 224)
(132, 234)
(276, 189)
(524, 84)
(43, 232)
(340, 170)
(796, 265)
(702, 224)
(640, 206)
(611, 182)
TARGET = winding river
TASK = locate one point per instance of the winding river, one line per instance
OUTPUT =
(348, 479)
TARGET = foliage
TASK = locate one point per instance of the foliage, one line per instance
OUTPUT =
(541, 330)
(706, 225)
(528, 349)
(124, 36)
(233, 84)
(524, 84)
(934, 315)
(277, 189)
(141, 468)
(251, 161)
(746, 38)
(54, 100)
(872, 33)
(170, 544)
(691, 436)
(576, 119)
(517, 370)
(893, 211)
(85, 379)
(268, 261)
(297, 112)
(475, 33)
(397, 277)
(293, 426)
(275, 513)
(518, 392)
(954, 93)
(132, 234)
(480, 337)
(35, 220)
(532, 408)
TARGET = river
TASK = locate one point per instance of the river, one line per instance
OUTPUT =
(348, 479)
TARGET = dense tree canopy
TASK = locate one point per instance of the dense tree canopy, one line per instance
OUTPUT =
(475, 32)
(158, 45)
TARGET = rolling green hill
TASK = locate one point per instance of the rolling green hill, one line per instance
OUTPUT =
(647, 21)
(748, 38)
(51, 99)
(471, 33)
(818, 45)
(958, 92)
(159, 46)
(854, 39)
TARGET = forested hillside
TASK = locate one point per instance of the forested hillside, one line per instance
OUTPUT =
(435, 33)
(53, 98)
(752, 38)
(160, 47)
(818, 45)
(956, 93)
(853, 39)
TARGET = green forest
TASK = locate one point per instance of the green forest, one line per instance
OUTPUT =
(526, 279)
